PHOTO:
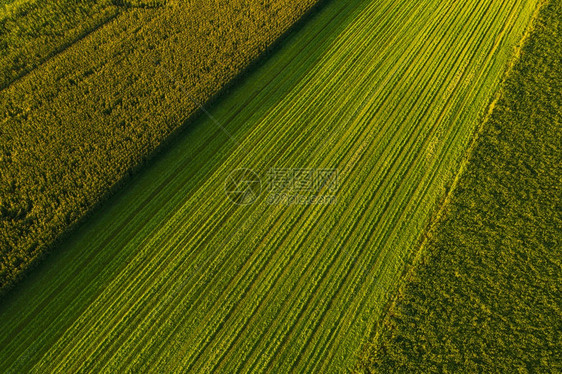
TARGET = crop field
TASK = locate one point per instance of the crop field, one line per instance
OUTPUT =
(31, 31)
(172, 275)
(485, 296)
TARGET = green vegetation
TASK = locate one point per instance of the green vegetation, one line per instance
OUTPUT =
(32, 31)
(82, 121)
(486, 295)
(171, 275)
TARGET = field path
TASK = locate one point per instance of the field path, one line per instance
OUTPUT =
(171, 275)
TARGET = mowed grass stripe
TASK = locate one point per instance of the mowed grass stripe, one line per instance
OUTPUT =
(225, 268)
(351, 309)
(345, 137)
(351, 236)
(266, 340)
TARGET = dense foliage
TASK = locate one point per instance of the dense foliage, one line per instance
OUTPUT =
(81, 121)
(31, 31)
(487, 295)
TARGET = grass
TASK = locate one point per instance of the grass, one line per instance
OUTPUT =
(486, 294)
(171, 275)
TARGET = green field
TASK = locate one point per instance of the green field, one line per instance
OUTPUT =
(171, 275)
(486, 295)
